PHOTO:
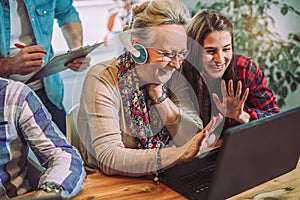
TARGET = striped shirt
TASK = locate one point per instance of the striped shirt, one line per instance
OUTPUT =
(25, 123)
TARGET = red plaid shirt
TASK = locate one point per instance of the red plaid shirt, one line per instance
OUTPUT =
(261, 101)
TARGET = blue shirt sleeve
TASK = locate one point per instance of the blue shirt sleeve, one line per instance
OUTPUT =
(65, 12)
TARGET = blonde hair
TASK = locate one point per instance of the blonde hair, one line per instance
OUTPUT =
(153, 13)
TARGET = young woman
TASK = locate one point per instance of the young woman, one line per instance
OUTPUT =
(222, 80)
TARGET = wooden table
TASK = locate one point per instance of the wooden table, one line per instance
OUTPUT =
(284, 187)
(99, 186)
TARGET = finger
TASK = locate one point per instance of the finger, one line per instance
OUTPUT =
(31, 55)
(33, 49)
(220, 105)
(205, 136)
(84, 59)
(201, 143)
(230, 88)
(217, 121)
(245, 96)
(27, 70)
(81, 60)
(208, 141)
(224, 90)
(201, 136)
(216, 100)
(35, 56)
(211, 140)
(210, 124)
(82, 68)
(73, 68)
(76, 67)
(79, 66)
(239, 89)
(31, 63)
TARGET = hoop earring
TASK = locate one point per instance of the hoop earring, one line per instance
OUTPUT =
(143, 57)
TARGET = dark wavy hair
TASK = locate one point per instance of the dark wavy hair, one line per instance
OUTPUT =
(199, 27)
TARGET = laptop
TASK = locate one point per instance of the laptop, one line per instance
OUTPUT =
(250, 154)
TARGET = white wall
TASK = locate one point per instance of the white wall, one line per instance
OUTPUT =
(94, 15)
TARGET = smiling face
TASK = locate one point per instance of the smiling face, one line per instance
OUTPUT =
(159, 68)
(217, 54)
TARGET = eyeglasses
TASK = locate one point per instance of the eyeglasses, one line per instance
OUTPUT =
(181, 55)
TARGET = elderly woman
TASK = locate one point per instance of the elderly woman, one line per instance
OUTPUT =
(133, 106)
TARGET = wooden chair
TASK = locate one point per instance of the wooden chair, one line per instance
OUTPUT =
(72, 131)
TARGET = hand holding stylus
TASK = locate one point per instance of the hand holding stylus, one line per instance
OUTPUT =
(21, 46)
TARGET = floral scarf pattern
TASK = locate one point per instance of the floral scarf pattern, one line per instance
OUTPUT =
(141, 125)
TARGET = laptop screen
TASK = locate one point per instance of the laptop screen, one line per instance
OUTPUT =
(250, 154)
(256, 152)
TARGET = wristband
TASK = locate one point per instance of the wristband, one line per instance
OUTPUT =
(161, 98)
(51, 187)
(159, 166)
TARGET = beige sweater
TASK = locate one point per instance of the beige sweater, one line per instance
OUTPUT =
(107, 142)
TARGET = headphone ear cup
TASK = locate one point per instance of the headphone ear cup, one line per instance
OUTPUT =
(143, 54)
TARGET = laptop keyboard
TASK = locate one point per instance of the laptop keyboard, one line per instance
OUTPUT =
(194, 184)
(198, 181)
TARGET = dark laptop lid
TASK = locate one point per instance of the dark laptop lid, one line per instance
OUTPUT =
(256, 152)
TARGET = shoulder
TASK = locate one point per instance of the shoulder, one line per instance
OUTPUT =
(14, 88)
(243, 62)
(101, 78)
(3, 83)
(98, 68)
(105, 70)
(248, 70)
(16, 95)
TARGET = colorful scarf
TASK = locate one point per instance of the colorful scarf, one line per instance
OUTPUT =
(142, 126)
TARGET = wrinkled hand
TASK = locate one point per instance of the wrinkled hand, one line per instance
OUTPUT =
(154, 90)
(79, 64)
(201, 141)
(29, 59)
(232, 105)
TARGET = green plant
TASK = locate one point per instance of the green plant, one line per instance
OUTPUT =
(279, 58)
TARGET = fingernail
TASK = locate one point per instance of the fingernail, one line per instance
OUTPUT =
(205, 132)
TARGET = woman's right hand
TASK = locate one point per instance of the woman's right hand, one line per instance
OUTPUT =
(29, 59)
(232, 104)
(201, 141)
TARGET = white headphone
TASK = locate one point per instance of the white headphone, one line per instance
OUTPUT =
(138, 52)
